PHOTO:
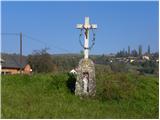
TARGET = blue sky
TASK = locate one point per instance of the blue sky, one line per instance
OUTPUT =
(119, 24)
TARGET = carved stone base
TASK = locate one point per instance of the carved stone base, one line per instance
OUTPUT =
(86, 82)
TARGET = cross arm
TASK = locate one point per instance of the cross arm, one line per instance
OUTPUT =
(79, 26)
(94, 26)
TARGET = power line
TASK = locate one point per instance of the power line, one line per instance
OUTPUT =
(61, 48)
(34, 39)
(37, 40)
(10, 33)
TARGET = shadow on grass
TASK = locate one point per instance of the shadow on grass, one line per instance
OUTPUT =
(71, 82)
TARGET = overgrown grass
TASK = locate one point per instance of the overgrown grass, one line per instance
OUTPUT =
(119, 95)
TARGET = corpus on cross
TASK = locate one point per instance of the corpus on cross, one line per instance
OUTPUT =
(86, 26)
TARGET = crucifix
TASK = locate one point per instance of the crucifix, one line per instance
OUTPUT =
(86, 26)
(86, 81)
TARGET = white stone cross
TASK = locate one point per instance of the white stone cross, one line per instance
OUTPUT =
(86, 27)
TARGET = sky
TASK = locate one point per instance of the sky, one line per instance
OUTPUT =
(52, 24)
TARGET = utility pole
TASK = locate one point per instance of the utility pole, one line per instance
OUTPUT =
(20, 53)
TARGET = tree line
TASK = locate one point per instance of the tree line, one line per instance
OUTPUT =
(134, 52)
(43, 62)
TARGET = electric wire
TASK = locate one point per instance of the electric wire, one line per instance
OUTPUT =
(38, 40)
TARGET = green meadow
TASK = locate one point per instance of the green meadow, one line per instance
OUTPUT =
(119, 95)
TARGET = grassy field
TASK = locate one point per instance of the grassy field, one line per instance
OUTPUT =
(119, 95)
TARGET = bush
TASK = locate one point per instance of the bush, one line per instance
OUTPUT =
(115, 87)
(149, 67)
(71, 82)
(102, 69)
(58, 82)
(118, 67)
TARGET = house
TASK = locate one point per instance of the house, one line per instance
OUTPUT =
(131, 60)
(145, 57)
(10, 64)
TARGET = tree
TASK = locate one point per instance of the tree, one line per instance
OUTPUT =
(41, 61)
(129, 50)
(140, 50)
(149, 49)
(122, 53)
(134, 53)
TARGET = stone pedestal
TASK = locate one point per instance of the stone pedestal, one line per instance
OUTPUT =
(86, 82)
